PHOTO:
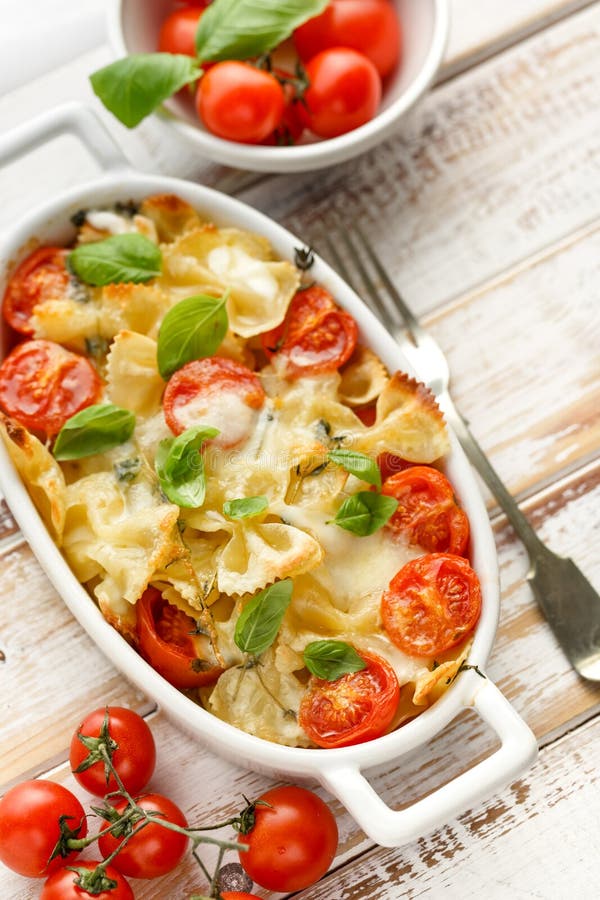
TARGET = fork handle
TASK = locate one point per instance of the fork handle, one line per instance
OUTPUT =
(481, 463)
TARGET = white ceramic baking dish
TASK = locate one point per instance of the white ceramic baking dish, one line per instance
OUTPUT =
(341, 770)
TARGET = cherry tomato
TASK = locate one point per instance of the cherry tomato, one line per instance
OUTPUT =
(41, 276)
(42, 385)
(289, 129)
(167, 641)
(178, 31)
(316, 336)
(370, 26)
(389, 464)
(61, 885)
(29, 826)
(356, 707)
(214, 391)
(134, 756)
(292, 842)
(239, 102)
(367, 415)
(152, 850)
(344, 92)
(427, 512)
(431, 604)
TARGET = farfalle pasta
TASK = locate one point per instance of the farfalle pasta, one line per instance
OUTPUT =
(251, 498)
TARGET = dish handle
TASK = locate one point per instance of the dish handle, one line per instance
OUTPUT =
(70, 118)
(392, 828)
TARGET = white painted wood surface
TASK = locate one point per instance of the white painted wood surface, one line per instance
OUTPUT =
(486, 209)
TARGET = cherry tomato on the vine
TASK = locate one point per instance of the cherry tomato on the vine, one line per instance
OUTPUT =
(344, 92)
(41, 276)
(354, 708)
(178, 31)
(370, 26)
(153, 850)
(240, 102)
(292, 842)
(30, 829)
(168, 642)
(42, 385)
(61, 885)
(431, 604)
(133, 751)
(427, 514)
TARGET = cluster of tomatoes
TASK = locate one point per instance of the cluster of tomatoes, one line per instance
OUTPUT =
(345, 54)
(288, 837)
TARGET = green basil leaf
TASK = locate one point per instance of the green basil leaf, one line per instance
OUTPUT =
(193, 328)
(358, 464)
(365, 513)
(121, 257)
(94, 429)
(332, 659)
(133, 87)
(245, 507)
(180, 467)
(261, 618)
(242, 29)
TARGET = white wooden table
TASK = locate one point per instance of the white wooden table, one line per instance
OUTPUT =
(486, 207)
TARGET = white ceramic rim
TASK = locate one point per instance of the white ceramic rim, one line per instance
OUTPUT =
(339, 769)
(306, 157)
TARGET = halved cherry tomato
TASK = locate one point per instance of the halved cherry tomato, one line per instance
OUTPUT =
(152, 850)
(178, 31)
(344, 92)
(61, 885)
(316, 336)
(42, 385)
(214, 391)
(431, 604)
(370, 26)
(427, 513)
(41, 276)
(367, 415)
(239, 102)
(389, 464)
(356, 707)
(169, 641)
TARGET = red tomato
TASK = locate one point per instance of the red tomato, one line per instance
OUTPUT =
(367, 415)
(427, 512)
(178, 32)
(152, 850)
(290, 128)
(355, 708)
(41, 276)
(292, 842)
(344, 92)
(431, 604)
(29, 826)
(316, 336)
(389, 464)
(61, 885)
(167, 642)
(214, 391)
(239, 102)
(370, 26)
(42, 385)
(134, 756)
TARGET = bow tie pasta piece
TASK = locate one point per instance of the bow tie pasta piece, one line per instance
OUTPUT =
(40, 472)
(132, 307)
(171, 216)
(68, 321)
(363, 378)
(190, 583)
(133, 379)
(211, 260)
(431, 683)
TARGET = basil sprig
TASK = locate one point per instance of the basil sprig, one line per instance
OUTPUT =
(180, 467)
(94, 429)
(332, 659)
(365, 513)
(133, 87)
(358, 464)
(242, 29)
(245, 507)
(193, 328)
(261, 618)
(121, 257)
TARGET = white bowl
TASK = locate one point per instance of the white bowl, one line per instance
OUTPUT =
(339, 770)
(134, 27)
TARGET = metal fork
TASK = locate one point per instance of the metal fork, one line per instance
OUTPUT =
(568, 600)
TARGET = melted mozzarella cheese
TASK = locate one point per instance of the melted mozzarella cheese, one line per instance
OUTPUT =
(103, 220)
(224, 410)
(234, 263)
